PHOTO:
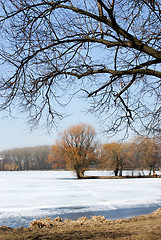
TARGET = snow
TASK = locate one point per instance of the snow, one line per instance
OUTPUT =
(41, 193)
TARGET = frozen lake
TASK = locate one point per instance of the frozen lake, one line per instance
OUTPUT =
(27, 195)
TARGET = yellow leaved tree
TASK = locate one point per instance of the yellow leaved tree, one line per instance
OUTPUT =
(75, 148)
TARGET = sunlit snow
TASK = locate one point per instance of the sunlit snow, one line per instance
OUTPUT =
(35, 194)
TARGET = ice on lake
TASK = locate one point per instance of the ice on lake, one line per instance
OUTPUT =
(35, 194)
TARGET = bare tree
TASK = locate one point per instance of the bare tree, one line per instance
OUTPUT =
(76, 147)
(110, 50)
(149, 151)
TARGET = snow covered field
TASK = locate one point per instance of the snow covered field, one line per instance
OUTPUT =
(34, 194)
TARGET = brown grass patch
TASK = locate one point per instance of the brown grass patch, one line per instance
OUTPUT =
(144, 227)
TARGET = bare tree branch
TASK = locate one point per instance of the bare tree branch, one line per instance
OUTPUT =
(111, 50)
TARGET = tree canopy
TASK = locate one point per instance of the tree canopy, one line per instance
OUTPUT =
(75, 148)
(107, 50)
(141, 153)
(113, 155)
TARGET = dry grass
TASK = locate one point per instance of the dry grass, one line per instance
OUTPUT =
(99, 228)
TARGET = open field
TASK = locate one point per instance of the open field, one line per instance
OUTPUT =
(147, 227)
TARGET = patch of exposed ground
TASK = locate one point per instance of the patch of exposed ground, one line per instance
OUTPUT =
(144, 227)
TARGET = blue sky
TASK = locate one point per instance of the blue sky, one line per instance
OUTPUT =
(15, 133)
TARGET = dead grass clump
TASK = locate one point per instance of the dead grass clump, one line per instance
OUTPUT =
(47, 222)
(157, 212)
(5, 229)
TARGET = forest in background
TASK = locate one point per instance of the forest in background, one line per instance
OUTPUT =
(138, 154)
(29, 158)
(106, 52)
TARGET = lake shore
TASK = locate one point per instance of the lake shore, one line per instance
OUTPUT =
(113, 214)
(118, 177)
(99, 228)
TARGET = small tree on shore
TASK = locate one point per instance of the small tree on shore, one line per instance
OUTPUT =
(76, 147)
(149, 153)
(113, 156)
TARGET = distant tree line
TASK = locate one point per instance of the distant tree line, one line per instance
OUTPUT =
(76, 149)
(139, 154)
(29, 158)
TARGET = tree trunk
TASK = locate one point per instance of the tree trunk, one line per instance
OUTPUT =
(143, 172)
(116, 171)
(120, 173)
(78, 174)
(132, 173)
(150, 170)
